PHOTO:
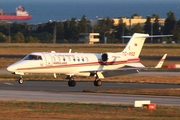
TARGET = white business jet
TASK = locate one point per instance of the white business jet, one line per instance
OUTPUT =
(100, 66)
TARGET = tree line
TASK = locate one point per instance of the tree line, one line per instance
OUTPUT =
(68, 31)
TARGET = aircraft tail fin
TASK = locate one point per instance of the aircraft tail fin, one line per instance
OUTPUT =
(135, 44)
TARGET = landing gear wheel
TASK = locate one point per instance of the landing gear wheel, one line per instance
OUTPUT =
(71, 82)
(97, 82)
(20, 80)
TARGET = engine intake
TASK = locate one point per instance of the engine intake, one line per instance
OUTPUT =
(104, 57)
(111, 58)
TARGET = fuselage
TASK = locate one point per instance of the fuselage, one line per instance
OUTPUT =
(67, 63)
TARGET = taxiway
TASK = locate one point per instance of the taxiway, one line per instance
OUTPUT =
(54, 91)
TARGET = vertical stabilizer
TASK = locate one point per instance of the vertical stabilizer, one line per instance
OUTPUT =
(134, 46)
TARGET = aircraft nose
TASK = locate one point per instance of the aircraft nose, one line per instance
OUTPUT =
(10, 68)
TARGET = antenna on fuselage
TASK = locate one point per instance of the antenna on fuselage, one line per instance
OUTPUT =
(69, 50)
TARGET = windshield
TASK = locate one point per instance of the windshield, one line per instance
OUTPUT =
(33, 57)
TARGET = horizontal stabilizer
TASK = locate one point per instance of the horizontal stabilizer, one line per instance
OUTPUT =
(148, 36)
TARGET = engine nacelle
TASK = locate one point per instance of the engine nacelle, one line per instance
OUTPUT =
(112, 58)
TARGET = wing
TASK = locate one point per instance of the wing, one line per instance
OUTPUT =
(128, 69)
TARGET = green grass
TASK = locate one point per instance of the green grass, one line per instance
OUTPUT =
(48, 111)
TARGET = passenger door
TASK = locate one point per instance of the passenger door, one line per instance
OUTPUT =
(48, 59)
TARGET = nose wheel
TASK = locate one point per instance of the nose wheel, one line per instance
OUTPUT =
(20, 80)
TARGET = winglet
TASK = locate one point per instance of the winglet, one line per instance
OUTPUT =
(159, 65)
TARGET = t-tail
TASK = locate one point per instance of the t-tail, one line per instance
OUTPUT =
(134, 46)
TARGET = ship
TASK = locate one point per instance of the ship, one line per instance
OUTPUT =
(21, 14)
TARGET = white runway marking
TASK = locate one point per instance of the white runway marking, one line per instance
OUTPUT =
(6, 83)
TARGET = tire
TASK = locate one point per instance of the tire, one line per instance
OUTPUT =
(95, 83)
(99, 82)
(71, 83)
(20, 81)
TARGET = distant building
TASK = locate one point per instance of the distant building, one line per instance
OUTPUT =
(130, 22)
(89, 38)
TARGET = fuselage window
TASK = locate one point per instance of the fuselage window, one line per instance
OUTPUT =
(33, 57)
(74, 59)
(82, 59)
(78, 59)
(64, 59)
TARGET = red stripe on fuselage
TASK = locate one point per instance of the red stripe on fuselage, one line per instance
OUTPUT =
(83, 64)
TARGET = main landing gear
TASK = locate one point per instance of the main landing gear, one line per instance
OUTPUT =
(71, 82)
(97, 82)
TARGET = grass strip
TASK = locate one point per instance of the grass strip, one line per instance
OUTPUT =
(54, 111)
(148, 49)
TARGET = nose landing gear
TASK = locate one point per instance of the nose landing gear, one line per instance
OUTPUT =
(21, 80)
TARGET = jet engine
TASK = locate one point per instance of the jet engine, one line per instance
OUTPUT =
(111, 58)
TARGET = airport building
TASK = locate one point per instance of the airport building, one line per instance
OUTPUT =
(130, 22)
(89, 38)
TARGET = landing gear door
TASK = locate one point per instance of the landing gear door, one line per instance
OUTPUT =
(48, 59)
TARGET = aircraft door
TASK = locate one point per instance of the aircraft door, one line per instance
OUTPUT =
(48, 59)
(55, 59)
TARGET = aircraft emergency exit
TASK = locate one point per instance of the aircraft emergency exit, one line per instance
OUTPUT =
(100, 65)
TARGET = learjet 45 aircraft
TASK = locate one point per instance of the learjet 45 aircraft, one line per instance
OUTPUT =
(100, 65)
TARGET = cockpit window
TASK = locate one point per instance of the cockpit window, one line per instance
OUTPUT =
(33, 57)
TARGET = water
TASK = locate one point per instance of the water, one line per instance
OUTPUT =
(45, 10)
